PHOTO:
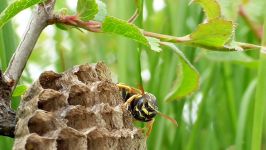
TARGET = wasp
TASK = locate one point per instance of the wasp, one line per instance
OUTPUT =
(142, 105)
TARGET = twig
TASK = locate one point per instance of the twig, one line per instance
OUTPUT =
(92, 26)
(95, 26)
(134, 16)
(36, 25)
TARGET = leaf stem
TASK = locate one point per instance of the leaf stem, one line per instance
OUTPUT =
(95, 26)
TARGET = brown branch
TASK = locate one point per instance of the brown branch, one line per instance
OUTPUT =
(7, 115)
(17, 64)
(36, 25)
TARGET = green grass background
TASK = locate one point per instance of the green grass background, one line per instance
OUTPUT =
(223, 114)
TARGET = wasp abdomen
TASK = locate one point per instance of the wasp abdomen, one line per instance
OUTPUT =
(142, 110)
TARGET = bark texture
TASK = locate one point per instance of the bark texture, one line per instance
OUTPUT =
(79, 109)
(7, 115)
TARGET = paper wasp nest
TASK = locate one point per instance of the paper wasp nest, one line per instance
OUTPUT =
(77, 110)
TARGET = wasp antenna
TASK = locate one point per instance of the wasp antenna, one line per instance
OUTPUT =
(168, 118)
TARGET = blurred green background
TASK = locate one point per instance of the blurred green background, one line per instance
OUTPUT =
(218, 116)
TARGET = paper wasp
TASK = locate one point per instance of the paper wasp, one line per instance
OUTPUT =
(142, 105)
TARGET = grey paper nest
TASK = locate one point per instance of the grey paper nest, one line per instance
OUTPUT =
(77, 110)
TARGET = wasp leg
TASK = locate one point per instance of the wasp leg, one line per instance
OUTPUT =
(149, 126)
(130, 89)
(125, 105)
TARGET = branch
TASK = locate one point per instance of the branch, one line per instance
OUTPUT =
(17, 64)
(7, 115)
(37, 23)
(94, 26)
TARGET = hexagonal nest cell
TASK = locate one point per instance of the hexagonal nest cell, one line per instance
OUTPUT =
(77, 110)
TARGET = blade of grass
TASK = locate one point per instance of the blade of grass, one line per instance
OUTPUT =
(230, 96)
(241, 124)
(2, 52)
(260, 98)
(166, 80)
(2, 43)
(60, 62)
(211, 115)
(139, 22)
(200, 114)
(126, 49)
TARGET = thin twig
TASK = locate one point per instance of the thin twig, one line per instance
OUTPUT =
(134, 16)
(94, 26)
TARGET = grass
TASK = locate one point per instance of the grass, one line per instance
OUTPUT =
(260, 99)
(226, 112)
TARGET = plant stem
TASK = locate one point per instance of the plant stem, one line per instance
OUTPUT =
(138, 17)
(230, 96)
(94, 26)
(167, 38)
(243, 113)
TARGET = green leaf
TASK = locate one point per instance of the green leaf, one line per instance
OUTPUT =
(121, 27)
(154, 44)
(102, 13)
(14, 8)
(211, 8)
(87, 9)
(19, 90)
(187, 76)
(214, 34)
